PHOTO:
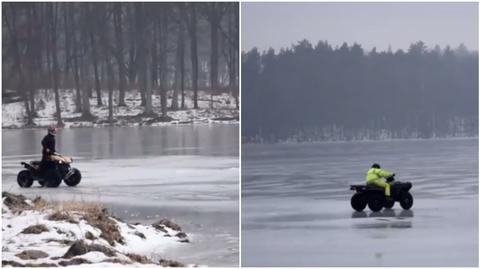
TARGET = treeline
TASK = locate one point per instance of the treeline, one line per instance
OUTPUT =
(319, 92)
(117, 47)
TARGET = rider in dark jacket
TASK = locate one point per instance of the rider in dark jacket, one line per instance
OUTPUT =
(48, 143)
(48, 146)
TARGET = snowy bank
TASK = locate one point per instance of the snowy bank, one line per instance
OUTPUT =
(223, 110)
(36, 233)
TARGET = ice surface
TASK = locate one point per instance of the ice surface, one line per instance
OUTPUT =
(189, 174)
(296, 205)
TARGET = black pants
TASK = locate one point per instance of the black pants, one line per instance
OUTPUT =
(46, 164)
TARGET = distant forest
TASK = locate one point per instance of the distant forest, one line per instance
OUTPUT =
(117, 47)
(317, 93)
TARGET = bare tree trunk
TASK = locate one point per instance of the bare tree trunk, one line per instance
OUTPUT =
(214, 17)
(178, 66)
(66, 27)
(163, 61)
(111, 79)
(81, 64)
(143, 55)
(78, 100)
(132, 64)
(140, 47)
(30, 60)
(94, 58)
(236, 56)
(105, 49)
(233, 53)
(119, 53)
(182, 69)
(192, 28)
(55, 70)
(154, 53)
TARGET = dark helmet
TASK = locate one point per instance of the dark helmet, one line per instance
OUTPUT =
(52, 130)
(376, 165)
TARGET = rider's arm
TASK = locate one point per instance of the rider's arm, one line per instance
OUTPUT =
(384, 173)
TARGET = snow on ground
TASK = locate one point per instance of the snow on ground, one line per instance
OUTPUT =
(223, 110)
(80, 224)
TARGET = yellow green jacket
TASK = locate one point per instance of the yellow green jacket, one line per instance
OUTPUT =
(376, 173)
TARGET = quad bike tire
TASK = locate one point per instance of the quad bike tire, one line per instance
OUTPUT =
(52, 178)
(74, 179)
(358, 202)
(406, 200)
(24, 179)
(376, 202)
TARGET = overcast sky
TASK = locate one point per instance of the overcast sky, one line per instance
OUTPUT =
(371, 24)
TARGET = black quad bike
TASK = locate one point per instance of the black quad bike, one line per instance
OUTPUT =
(51, 175)
(374, 196)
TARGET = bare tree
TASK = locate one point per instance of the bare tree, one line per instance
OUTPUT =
(214, 13)
(179, 60)
(117, 17)
(191, 21)
(163, 27)
(92, 25)
(53, 19)
(71, 39)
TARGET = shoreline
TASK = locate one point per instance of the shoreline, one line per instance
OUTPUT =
(130, 124)
(291, 142)
(219, 108)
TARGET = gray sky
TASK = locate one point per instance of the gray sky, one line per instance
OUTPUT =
(371, 24)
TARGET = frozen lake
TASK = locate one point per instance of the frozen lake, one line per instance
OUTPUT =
(189, 174)
(296, 204)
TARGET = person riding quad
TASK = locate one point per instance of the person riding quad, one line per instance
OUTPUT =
(48, 147)
(377, 176)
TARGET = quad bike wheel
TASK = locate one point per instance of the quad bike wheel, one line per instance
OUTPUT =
(24, 179)
(376, 202)
(389, 203)
(52, 178)
(406, 200)
(358, 202)
(74, 179)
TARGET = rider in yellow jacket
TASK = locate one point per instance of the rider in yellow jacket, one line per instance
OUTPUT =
(377, 176)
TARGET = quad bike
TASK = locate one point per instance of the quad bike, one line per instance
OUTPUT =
(51, 174)
(374, 196)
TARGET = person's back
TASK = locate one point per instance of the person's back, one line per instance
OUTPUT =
(48, 147)
(376, 176)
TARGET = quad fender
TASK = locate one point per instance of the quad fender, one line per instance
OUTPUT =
(28, 166)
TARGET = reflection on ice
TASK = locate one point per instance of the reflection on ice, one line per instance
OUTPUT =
(384, 225)
(387, 213)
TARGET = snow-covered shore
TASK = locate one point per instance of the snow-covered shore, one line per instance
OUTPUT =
(36, 233)
(223, 111)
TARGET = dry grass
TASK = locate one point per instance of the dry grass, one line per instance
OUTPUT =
(62, 216)
(139, 258)
(35, 229)
(170, 263)
(95, 214)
